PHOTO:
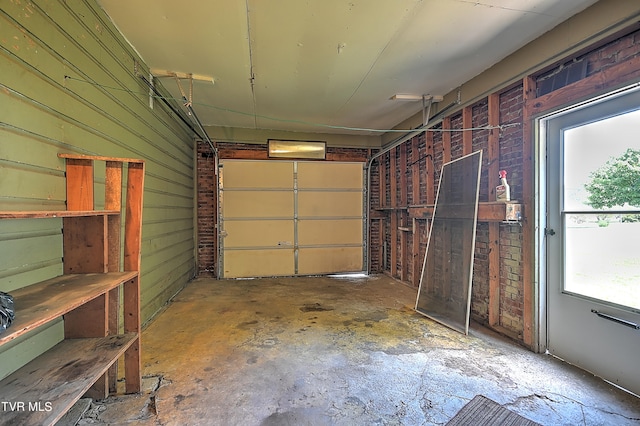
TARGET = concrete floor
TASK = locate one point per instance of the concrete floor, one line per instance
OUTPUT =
(327, 351)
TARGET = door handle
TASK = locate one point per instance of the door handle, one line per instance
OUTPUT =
(550, 231)
(618, 320)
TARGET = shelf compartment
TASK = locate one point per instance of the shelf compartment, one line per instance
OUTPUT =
(44, 389)
(37, 304)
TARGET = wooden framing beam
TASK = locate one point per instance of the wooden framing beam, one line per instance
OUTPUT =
(446, 139)
(487, 211)
(394, 215)
(404, 255)
(528, 240)
(467, 135)
(383, 179)
(415, 198)
(610, 78)
(493, 160)
(403, 175)
(430, 168)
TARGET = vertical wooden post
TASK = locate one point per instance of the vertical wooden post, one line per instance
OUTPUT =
(382, 160)
(528, 221)
(415, 199)
(467, 135)
(394, 213)
(446, 140)
(113, 201)
(404, 254)
(132, 242)
(430, 184)
(403, 175)
(446, 157)
(493, 159)
(415, 170)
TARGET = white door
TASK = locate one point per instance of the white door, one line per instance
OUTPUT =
(593, 237)
(284, 218)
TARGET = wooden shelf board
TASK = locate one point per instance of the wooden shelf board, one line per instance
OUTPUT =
(44, 214)
(54, 381)
(99, 158)
(491, 211)
(40, 303)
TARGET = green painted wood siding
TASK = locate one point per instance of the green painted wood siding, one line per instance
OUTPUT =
(69, 83)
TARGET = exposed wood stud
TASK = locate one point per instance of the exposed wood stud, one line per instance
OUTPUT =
(113, 201)
(403, 174)
(415, 199)
(467, 135)
(528, 256)
(430, 196)
(393, 177)
(415, 170)
(446, 140)
(383, 180)
(393, 192)
(493, 160)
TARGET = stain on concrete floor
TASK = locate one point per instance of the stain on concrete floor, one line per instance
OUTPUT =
(329, 351)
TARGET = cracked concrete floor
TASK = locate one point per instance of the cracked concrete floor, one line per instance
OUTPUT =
(340, 351)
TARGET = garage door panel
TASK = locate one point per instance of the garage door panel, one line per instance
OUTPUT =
(258, 263)
(329, 204)
(273, 230)
(257, 174)
(257, 204)
(330, 175)
(329, 231)
(258, 233)
(329, 260)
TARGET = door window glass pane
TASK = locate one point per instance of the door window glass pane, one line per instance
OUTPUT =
(601, 209)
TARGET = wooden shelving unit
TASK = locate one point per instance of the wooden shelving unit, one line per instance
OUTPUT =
(87, 296)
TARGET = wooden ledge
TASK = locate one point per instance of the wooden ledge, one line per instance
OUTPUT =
(98, 158)
(44, 214)
(492, 211)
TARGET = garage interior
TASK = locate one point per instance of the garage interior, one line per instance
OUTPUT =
(141, 143)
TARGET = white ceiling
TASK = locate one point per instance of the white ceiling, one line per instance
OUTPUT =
(281, 64)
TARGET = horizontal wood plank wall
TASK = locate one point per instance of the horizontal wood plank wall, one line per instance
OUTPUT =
(69, 84)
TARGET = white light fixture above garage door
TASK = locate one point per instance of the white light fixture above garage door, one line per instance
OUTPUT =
(313, 150)
(410, 97)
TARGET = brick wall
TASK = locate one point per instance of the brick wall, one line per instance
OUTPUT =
(511, 319)
(206, 210)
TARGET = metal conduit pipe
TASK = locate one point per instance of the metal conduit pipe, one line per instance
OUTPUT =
(216, 158)
(391, 145)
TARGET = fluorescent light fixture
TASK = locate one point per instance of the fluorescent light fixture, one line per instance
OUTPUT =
(312, 150)
(409, 97)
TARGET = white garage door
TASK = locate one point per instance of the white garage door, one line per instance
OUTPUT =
(283, 218)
